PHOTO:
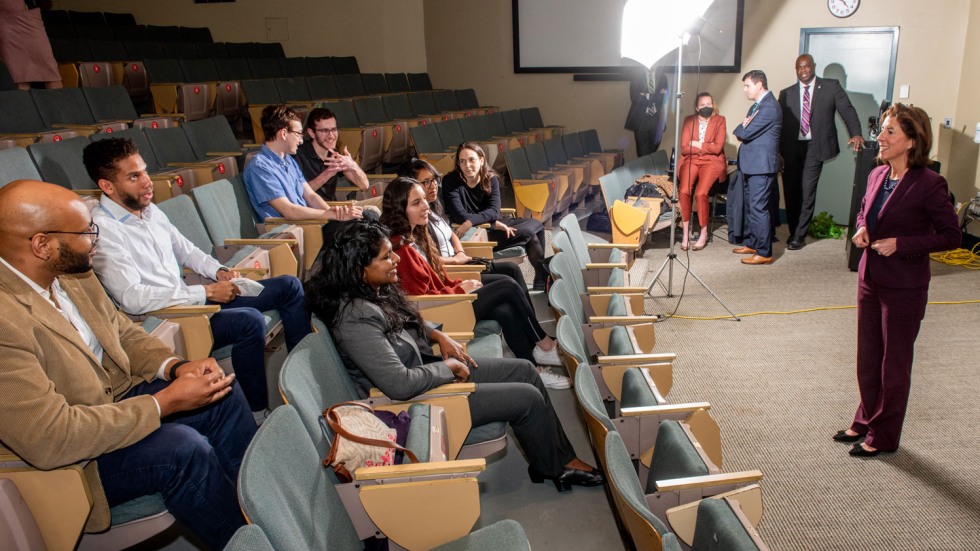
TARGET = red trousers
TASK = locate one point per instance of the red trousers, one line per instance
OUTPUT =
(699, 173)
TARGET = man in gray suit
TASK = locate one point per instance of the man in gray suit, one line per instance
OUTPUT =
(758, 160)
(808, 139)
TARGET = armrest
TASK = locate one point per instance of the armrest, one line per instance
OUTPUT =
(461, 336)
(278, 221)
(622, 319)
(442, 390)
(439, 298)
(475, 244)
(256, 271)
(620, 246)
(223, 153)
(611, 290)
(487, 226)
(261, 242)
(408, 470)
(638, 359)
(172, 311)
(721, 479)
(605, 265)
(665, 409)
(508, 211)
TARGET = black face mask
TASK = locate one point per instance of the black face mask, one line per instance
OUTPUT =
(705, 112)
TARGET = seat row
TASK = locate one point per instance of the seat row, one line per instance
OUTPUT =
(150, 33)
(659, 457)
(632, 219)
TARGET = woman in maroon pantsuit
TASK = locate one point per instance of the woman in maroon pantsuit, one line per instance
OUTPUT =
(701, 164)
(905, 215)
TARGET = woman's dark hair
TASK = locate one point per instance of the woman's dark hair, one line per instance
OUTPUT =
(411, 169)
(486, 173)
(339, 278)
(697, 99)
(395, 218)
(915, 124)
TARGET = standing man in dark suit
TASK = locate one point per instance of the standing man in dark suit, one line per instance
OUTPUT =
(646, 116)
(758, 160)
(808, 139)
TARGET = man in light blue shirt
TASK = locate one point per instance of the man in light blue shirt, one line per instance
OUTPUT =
(275, 184)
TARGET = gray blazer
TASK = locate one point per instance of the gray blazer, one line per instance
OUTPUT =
(402, 367)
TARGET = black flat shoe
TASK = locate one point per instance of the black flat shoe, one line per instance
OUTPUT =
(569, 478)
(858, 451)
(842, 436)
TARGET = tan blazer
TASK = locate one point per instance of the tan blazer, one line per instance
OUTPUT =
(58, 405)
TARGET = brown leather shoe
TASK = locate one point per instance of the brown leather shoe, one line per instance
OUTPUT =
(743, 250)
(756, 259)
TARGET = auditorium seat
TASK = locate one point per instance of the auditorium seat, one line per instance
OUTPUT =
(397, 83)
(572, 142)
(212, 50)
(259, 93)
(594, 251)
(118, 19)
(21, 122)
(249, 538)
(227, 94)
(6, 81)
(196, 35)
(322, 88)
(591, 144)
(167, 181)
(346, 65)
(370, 110)
(180, 50)
(567, 178)
(274, 490)
(467, 100)
(350, 85)
(129, 33)
(374, 84)
(557, 158)
(86, 17)
(16, 164)
(233, 68)
(429, 147)
(242, 50)
(265, 67)
(61, 163)
(534, 197)
(320, 66)
(68, 108)
(173, 150)
(213, 137)
(270, 49)
(173, 94)
(293, 67)
(476, 129)
(163, 33)
(514, 124)
(419, 82)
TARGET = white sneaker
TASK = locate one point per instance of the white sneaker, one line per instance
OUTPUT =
(553, 380)
(546, 357)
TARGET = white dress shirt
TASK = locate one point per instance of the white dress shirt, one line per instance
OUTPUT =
(813, 89)
(139, 260)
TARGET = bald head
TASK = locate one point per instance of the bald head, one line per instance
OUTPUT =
(806, 69)
(29, 208)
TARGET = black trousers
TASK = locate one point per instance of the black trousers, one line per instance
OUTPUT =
(800, 176)
(509, 389)
(506, 302)
(530, 235)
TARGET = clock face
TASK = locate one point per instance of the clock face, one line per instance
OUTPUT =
(843, 8)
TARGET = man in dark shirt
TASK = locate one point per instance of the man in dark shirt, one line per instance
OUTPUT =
(323, 164)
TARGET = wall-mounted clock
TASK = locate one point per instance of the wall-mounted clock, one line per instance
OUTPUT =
(843, 8)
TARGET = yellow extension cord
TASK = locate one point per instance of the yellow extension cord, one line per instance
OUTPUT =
(957, 257)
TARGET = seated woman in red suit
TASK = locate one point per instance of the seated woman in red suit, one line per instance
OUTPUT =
(701, 163)
(906, 214)
(405, 212)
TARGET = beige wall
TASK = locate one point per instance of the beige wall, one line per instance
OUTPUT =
(469, 44)
(393, 43)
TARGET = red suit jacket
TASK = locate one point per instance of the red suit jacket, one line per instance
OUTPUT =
(921, 218)
(416, 276)
(712, 150)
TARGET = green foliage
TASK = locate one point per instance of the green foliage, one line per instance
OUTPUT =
(823, 227)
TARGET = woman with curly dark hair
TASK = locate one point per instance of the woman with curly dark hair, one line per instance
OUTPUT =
(405, 212)
(471, 194)
(385, 343)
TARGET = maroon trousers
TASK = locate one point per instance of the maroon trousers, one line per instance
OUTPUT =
(888, 323)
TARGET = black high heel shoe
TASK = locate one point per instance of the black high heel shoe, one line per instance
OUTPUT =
(569, 478)
(842, 436)
(858, 451)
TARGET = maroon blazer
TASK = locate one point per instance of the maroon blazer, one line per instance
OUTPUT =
(919, 214)
(712, 151)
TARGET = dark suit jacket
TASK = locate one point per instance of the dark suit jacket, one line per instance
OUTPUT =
(919, 214)
(402, 367)
(828, 97)
(759, 152)
(60, 405)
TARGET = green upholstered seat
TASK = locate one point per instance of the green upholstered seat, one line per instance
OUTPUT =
(619, 467)
(617, 306)
(636, 392)
(419, 438)
(249, 538)
(571, 340)
(283, 489)
(135, 509)
(587, 392)
(674, 456)
(718, 527)
(619, 342)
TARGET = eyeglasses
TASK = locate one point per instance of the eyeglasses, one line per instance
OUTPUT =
(429, 182)
(92, 230)
(327, 131)
(297, 132)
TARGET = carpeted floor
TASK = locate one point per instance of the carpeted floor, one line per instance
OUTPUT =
(781, 385)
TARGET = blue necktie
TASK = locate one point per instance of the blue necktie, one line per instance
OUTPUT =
(752, 109)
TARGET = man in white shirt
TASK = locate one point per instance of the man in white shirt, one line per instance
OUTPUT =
(141, 255)
(80, 382)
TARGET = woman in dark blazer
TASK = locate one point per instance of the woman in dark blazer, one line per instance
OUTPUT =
(471, 194)
(385, 343)
(905, 215)
(701, 164)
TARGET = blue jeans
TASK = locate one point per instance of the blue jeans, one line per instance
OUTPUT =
(192, 459)
(240, 324)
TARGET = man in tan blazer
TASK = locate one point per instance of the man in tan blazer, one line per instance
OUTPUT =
(80, 382)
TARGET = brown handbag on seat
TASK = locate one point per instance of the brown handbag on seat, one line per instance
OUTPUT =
(360, 440)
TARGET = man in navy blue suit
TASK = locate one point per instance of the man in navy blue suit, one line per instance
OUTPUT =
(758, 160)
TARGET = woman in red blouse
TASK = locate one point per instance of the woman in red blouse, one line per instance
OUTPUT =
(405, 212)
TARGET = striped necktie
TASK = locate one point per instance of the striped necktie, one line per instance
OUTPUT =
(752, 109)
(805, 118)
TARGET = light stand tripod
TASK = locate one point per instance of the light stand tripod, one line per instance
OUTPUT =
(668, 263)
